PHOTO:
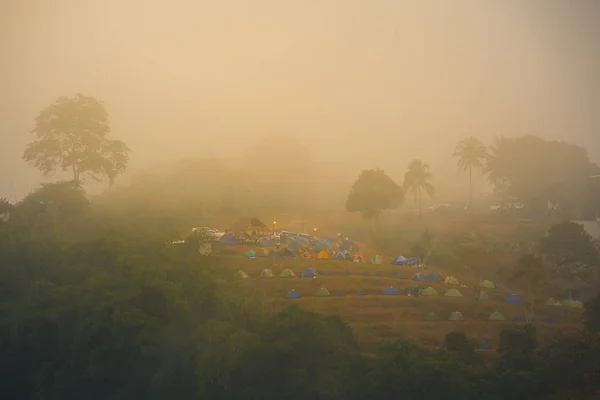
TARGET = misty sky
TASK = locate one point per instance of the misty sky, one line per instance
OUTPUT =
(370, 83)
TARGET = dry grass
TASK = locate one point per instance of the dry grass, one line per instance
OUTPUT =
(374, 316)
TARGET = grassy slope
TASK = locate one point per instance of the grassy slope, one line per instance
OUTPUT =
(374, 316)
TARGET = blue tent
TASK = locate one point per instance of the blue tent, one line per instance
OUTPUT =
(512, 298)
(550, 320)
(434, 277)
(578, 298)
(228, 240)
(535, 320)
(292, 294)
(250, 254)
(412, 260)
(323, 244)
(329, 272)
(361, 292)
(419, 277)
(339, 256)
(365, 273)
(347, 273)
(519, 319)
(400, 276)
(378, 273)
(400, 261)
(340, 292)
(309, 273)
(392, 291)
(484, 346)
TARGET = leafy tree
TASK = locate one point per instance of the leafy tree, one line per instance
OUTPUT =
(472, 154)
(416, 179)
(571, 250)
(517, 348)
(531, 269)
(537, 171)
(457, 342)
(592, 314)
(71, 134)
(372, 193)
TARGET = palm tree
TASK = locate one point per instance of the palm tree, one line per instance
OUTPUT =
(416, 179)
(472, 154)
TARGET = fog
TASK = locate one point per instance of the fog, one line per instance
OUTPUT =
(362, 84)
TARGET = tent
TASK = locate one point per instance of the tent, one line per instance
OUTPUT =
(496, 316)
(534, 320)
(432, 317)
(400, 276)
(347, 273)
(434, 277)
(483, 295)
(358, 258)
(484, 346)
(390, 291)
(550, 302)
(400, 261)
(365, 273)
(339, 256)
(347, 255)
(324, 245)
(251, 254)
(309, 273)
(572, 303)
(228, 240)
(286, 273)
(579, 298)
(361, 292)
(519, 319)
(486, 284)
(241, 275)
(265, 241)
(263, 253)
(419, 277)
(292, 294)
(498, 286)
(340, 292)
(412, 290)
(376, 260)
(512, 298)
(267, 273)
(428, 292)
(322, 292)
(412, 261)
(322, 255)
(453, 293)
(450, 280)
(550, 320)
(456, 316)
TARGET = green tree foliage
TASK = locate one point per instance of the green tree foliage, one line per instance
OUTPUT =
(517, 348)
(592, 314)
(372, 193)
(71, 135)
(416, 180)
(572, 251)
(532, 270)
(472, 155)
(537, 171)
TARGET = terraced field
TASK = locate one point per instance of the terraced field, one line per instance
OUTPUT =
(374, 316)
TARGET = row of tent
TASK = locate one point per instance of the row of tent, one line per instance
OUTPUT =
(495, 316)
(564, 303)
(388, 291)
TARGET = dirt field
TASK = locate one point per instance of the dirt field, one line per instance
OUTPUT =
(375, 316)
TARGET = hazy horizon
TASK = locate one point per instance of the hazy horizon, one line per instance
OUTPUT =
(362, 84)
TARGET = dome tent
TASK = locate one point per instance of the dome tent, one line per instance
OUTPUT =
(267, 273)
(456, 316)
(428, 292)
(512, 298)
(309, 273)
(241, 275)
(452, 293)
(482, 296)
(486, 284)
(376, 260)
(419, 277)
(550, 302)
(413, 290)
(286, 273)
(484, 346)
(322, 292)
(450, 280)
(251, 254)
(496, 316)
(292, 294)
(390, 291)
(400, 260)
